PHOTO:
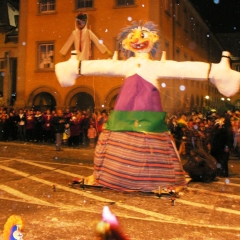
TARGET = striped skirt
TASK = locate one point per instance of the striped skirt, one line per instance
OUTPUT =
(134, 161)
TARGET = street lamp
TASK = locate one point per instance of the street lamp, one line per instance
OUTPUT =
(207, 102)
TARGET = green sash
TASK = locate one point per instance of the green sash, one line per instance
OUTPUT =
(136, 121)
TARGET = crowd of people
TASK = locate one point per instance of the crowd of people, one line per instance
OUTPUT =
(214, 134)
(205, 138)
(72, 128)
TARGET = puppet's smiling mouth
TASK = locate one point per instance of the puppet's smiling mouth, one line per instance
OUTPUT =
(139, 46)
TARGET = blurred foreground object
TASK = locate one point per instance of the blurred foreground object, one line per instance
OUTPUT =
(108, 228)
(12, 228)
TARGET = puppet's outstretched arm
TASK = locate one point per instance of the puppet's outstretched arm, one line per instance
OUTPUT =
(67, 72)
(67, 45)
(101, 47)
(223, 77)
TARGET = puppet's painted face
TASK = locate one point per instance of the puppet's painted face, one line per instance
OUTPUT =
(81, 20)
(80, 24)
(140, 40)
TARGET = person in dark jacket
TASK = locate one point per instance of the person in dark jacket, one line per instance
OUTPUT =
(58, 122)
(221, 142)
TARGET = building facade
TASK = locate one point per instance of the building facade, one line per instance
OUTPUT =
(45, 25)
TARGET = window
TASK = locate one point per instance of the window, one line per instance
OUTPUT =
(45, 56)
(2, 64)
(46, 6)
(168, 6)
(167, 49)
(125, 2)
(177, 11)
(201, 37)
(177, 58)
(192, 28)
(238, 68)
(197, 33)
(84, 4)
(185, 20)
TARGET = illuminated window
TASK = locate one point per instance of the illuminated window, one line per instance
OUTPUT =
(84, 4)
(45, 56)
(46, 6)
(124, 2)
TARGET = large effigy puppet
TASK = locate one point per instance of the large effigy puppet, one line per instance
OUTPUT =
(135, 152)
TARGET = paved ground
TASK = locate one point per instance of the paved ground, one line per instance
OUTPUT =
(29, 171)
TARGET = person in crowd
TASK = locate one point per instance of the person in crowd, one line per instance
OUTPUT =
(21, 123)
(2, 127)
(67, 115)
(66, 134)
(180, 134)
(93, 122)
(85, 127)
(30, 121)
(80, 118)
(201, 166)
(38, 126)
(12, 125)
(58, 122)
(101, 120)
(47, 129)
(74, 131)
(221, 143)
(172, 124)
(92, 133)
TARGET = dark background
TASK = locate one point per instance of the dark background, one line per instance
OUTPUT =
(223, 17)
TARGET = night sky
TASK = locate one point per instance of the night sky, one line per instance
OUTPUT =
(222, 16)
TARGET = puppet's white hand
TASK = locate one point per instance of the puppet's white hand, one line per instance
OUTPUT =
(67, 72)
(224, 78)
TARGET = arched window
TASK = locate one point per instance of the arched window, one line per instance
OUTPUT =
(43, 101)
(82, 101)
